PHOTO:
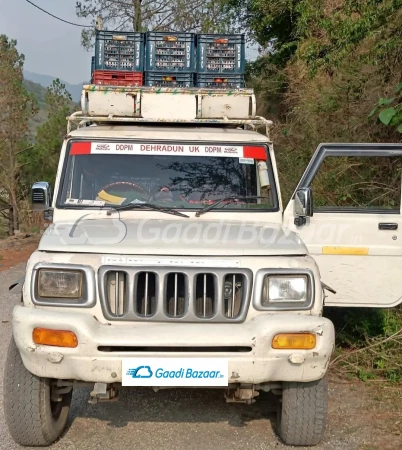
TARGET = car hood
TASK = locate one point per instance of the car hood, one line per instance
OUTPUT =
(170, 237)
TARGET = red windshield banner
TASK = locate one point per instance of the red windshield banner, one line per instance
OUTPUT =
(220, 151)
(80, 148)
(255, 152)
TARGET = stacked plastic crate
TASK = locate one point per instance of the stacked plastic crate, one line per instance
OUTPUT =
(119, 59)
(170, 59)
(220, 61)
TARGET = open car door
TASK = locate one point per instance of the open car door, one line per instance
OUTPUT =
(347, 210)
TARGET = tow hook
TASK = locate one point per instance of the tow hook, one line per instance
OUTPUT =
(103, 392)
(242, 394)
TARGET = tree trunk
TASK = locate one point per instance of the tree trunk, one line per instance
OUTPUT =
(11, 222)
(137, 16)
(15, 218)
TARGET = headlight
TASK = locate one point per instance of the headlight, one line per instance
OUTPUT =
(285, 289)
(60, 284)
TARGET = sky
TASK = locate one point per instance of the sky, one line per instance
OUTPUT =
(50, 47)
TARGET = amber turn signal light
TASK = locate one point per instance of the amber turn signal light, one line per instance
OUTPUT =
(54, 338)
(294, 341)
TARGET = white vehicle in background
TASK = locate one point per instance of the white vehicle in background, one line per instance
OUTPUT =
(170, 262)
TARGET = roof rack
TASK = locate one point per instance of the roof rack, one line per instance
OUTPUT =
(141, 104)
(212, 92)
(80, 119)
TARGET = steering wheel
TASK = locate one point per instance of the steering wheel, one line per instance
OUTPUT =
(122, 186)
(125, 184)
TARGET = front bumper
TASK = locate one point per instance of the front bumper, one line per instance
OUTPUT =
(87, 363)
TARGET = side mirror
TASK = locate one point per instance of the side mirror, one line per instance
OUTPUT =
(41, 196)
(303, 206)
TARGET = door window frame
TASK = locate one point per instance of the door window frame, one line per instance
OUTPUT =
(341, 150)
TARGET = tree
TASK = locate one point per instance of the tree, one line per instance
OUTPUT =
(16, 107)
(41, 164)
(159, 15)
(270, 23)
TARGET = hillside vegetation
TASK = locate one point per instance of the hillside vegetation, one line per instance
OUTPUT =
(42, 115)
(39, 93)
(47, 81)
(327, 64)
(32, 129)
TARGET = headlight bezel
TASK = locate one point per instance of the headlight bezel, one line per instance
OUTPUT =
(283, 305)
(88, 293)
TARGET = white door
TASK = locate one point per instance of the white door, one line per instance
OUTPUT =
(354, 232)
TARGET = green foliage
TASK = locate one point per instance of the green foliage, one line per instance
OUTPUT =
(370, 341)
(332, 32)
(365, 375)
(390, 115)
(271, 23)
(42, 162)
(39, 93)
(17, 106)
(355, 325)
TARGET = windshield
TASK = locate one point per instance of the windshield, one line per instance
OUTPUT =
(178, 176)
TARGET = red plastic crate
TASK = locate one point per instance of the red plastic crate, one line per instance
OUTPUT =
(117, 78)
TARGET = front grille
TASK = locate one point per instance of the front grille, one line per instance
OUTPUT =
(188, 295)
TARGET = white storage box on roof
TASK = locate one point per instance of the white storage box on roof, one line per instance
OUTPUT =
(159, 104)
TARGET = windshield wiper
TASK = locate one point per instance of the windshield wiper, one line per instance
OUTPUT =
(231, 199)
(149, 206)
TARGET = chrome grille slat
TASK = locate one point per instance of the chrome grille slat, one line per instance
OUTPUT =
(205, 296)
(146, 294)
(175, 294)
(116, 288)
(117, 293)
(233, 296)
(234, 285)
(144, 298)
(160, 306)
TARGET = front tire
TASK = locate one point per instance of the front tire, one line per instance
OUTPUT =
(302, 416)
(32, 417)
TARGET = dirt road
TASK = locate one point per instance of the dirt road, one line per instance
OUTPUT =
(361, 417)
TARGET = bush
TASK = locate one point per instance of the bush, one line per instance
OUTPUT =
(369, 342)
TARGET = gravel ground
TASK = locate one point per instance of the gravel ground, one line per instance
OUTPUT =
(198, 419)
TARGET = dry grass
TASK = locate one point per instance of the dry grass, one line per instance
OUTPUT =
(30, 222)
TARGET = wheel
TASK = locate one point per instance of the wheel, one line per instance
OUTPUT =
(303, 412)
(33, 418)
